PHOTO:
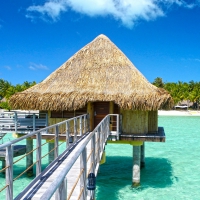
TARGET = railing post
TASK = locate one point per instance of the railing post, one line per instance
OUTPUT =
(108, 127)
(83, 166)
(56, 142)
(93, 163)
(88, 122)
(80, 126)
(47, 122)
(33, 121)
(120, 123)
(75, 129)
(84, 124)
(102, 135)
(117, 127)
(67, 134)
(9, 172)
(61, 192)
(16, 122)
(98, 146)
(38, 154)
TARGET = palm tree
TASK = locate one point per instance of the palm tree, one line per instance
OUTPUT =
(4, 85)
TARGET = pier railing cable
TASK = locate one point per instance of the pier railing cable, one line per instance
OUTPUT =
(97, 139)
(82, 121)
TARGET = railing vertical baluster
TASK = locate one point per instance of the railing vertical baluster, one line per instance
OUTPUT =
(88, 122)
(67, 134)
(56, 142)
(16, 122)
(47, 122)
(80, 126)
(120, 123)
(61, 192)
(38, 154)
(83, 166)
(117, 127)
(102, 135)
(33, 121)
(75, 129)
(98, 146)
(84, 125)
(9, 172)
(93, 162)
(108, 127)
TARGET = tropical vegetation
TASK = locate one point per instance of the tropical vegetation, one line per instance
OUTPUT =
(7, 90)
(178, 90)
(181, 90)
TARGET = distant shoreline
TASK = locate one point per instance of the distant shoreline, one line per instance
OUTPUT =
(178, 113)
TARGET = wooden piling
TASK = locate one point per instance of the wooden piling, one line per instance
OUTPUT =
(29, 157)
(136, 166)
(142, 162)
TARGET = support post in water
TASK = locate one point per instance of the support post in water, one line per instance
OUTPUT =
(136, 166)
(29, 157)
(142, 163)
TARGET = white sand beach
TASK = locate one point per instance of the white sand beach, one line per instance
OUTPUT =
(178, 113)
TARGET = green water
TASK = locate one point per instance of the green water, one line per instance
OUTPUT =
(172, 168)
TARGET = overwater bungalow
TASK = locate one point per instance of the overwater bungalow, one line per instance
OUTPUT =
(99, 80)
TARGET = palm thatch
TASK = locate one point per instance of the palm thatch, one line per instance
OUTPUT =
(98, 72)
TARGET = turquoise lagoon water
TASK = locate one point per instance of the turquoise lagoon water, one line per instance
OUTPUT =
(172, 170)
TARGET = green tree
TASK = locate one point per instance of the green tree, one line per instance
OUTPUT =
(7, 90)
(158, 82)
(4, 85)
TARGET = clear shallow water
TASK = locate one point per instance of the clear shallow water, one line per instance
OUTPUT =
(172, 168)
(19, 167)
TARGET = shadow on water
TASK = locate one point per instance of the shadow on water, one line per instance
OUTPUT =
(116, 174)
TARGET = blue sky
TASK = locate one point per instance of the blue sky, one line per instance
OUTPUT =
(160, 37)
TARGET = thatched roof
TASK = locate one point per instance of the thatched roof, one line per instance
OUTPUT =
(97, 72)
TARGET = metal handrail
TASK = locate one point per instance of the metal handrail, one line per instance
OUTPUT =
(36, 132)
(104, 126)
(9, 148)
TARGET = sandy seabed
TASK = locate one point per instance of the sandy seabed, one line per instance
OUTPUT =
(178, 113)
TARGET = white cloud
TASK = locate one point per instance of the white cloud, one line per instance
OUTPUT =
(8, 67)
(126, 11)
(34, 66)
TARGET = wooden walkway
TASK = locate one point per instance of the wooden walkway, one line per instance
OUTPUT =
(39, 187)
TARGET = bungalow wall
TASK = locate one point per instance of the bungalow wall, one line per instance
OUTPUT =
(133, 121)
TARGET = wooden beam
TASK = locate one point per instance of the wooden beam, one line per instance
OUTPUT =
(90, 110)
